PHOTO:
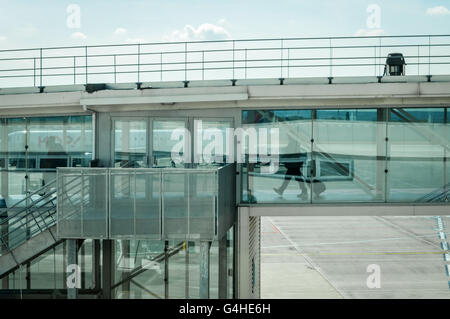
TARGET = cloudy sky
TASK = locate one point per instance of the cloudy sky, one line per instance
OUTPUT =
(26, 24)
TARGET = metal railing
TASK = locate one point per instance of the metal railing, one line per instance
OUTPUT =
(227, 60)
(28, 217)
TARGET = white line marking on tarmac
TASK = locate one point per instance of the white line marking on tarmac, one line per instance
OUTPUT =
(312, 264)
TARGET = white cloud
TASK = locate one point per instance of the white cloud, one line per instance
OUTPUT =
(439, 10)
(120, 31)
(205, 31)
(78, 36)
(2, 38)
(369, 32)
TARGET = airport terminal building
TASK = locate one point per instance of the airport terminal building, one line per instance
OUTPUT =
(142, 171)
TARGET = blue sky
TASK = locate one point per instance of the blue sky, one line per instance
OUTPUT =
(26, 24)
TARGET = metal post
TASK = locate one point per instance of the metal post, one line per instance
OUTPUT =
(375, 59)
(4, 244)
(203, 65)
(125, 267)
(185, 61)
(381, 154)
(331, 60)
(281, 60)
(96, 284)
(223, 268)
(233, 59)
(72, 257)
(139, 62)
(86, 62)
(186, 265)
(34, 72)
(288, 60)
(74, 70)
(115, 69)
(83, 265)
(204, 269)
(40, 67)
(108, 268)
(429, 55)
(418, 61)
(379, 56)
(161, 67)
(245, 63)
(166, 269)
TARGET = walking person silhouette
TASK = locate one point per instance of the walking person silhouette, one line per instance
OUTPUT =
(293, 161)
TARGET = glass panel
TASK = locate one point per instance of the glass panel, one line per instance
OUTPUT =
(202, 205)
(194, 270)
(17, 140)
(82, 206)
(148, 255)
(178, 271)
(416, 148)
(130, 143)
(94, 205)
(148, 219)
(348, 158)
(287, 184)
(212, 134)
(163, 144)
(122, 204)
(52, 142)
(175, 201)
(135, 204)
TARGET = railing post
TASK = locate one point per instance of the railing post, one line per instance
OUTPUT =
(34, 72)
(74, 70)
(375, 59)
(115, 70)
(418, 60)
(429, 55)
(185, 61)
(331, 59)
(245, 68)
(281, 59)
(40, 67)
(203, 65)
(233, 59)
(161, 67)
(379, 56)
(288, 60)
(139, 61)
(86, 62)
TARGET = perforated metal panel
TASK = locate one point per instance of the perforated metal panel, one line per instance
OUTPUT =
(255, 256)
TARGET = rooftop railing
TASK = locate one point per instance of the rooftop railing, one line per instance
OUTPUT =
(222, 60)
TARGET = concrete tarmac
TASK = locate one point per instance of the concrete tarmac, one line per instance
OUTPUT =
(328, 257)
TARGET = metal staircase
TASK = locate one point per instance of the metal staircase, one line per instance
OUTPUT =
(28, 228)
(440, 194)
